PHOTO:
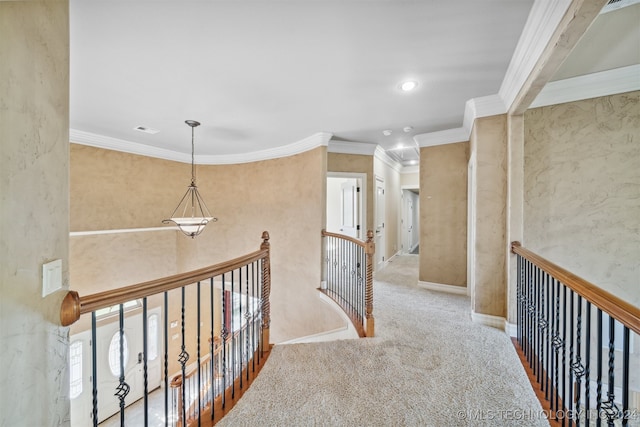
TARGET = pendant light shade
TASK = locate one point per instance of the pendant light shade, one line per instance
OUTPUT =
(191, 215)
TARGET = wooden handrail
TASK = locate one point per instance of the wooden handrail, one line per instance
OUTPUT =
(358, 242)
(73, 305)
(617, 308)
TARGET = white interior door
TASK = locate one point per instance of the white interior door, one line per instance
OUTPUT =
(380, 218)
(409, 222)
(349, 208)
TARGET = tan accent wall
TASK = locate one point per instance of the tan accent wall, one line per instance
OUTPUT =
(34, 211)
(489, 156)
(247, 198)
(582, 189)
(443, 214)
(337, 162)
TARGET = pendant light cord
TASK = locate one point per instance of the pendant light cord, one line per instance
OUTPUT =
(193, 166)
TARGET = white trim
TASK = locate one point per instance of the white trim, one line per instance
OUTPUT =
(448, 136)
(108, 143)
(410, 169)
(489, 320)
(99, 141)
(384, 157)
(543, 19)
(511, 329)
(439, 287)
(484, 106)
(343, 333)
(350, 147)
(619, 80)
(122, 230)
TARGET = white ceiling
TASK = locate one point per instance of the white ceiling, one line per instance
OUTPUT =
(265, 74)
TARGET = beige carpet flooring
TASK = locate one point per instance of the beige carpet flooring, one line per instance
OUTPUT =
(428, 365)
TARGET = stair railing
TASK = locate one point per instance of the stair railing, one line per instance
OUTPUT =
(238, 345)
(576, 342)
(347, 277)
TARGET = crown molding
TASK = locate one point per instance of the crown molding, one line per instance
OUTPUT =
(543, 19)
(100, 141)
(384, 157)
(410, 169)
(448, 136)
(350, 147)
(619, 80)
(483, 106)
(320, 139)
(115, 144)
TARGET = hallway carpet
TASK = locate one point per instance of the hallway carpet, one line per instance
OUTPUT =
(428, 365)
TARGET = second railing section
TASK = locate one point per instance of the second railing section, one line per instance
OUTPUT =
(347, 277)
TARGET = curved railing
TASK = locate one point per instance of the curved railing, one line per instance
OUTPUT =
(228, 306)
(577, 343)
(347, 277)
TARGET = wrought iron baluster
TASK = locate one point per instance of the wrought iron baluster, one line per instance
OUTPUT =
(552, 338)
(625, 377)
(183, 358)
(198, 359)
(94, 369)
(233, 340)
(548, 336)
(564, 349)
(212, 359)
(544, 334)
(577, 367)
(123, 388)
(587, 361)
(253, 310)
(599, 372)
(145, 339)
(538, 331)
(611, 410)
(166, 359)
(571, 350)
(518, 298)
(224, 334)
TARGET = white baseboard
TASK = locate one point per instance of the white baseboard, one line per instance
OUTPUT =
(346, 332)
(511, 329)
(489, 320)
(439, 287)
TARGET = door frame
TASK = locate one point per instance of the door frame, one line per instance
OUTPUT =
(362, 182)
(380, 241)
(404, 190)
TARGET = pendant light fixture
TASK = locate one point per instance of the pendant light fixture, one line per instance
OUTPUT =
(191, 215)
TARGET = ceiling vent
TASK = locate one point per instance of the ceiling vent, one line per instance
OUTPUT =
(146, 130)
(617, 4)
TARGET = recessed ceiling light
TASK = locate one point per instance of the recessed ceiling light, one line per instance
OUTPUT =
(409, 85)
(386, 132)
(146, 130)
(407, 129)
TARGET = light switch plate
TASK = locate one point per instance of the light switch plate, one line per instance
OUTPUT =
(51, 277)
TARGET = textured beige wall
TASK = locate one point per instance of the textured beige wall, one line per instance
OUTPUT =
(355, 163)
(443, 214)
(489, 154)
(34, 129)
(247, 198)
(582, 189)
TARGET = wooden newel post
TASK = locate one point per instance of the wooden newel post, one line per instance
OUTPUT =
(370, 249)
(266, 289)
